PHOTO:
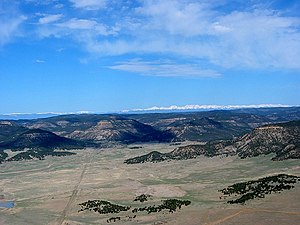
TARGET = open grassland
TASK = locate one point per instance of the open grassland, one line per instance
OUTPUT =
(50, 191)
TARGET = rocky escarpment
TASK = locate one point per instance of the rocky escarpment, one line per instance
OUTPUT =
(282, 139)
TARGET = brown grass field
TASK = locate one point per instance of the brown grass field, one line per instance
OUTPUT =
(49, 191)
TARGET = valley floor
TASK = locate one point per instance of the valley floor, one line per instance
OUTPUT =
(49, 191)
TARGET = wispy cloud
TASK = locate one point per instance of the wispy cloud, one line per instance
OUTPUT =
(10, 20)
(251, 36)
(81, 30)
(89, 4)
(84, 24)
(40, 61)
(50, 18)
(205, 107)
(164, 69)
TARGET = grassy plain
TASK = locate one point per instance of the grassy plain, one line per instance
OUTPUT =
(49, 191)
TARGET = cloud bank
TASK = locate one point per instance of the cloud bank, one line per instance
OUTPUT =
(210, 36)
(164, 69)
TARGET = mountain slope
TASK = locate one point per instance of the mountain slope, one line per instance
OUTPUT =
(103, 128)
(9, 129)
(37, 138)
(34, 143)
(216, 124)
(160, 127)
(282, 139)
(204, 126)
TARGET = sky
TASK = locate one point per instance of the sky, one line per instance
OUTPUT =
(113, 55)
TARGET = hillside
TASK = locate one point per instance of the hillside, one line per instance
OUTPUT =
(281, 139)
(10, 129)
(101, 128)
(34, 143)
(162, 127)
(217, 124)
(37, 138)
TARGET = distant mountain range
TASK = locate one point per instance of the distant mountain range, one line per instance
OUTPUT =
(186, 108)
(82, 130)
(29, 116)
(217, 124)
(281, 139)
(100, 128)
(155, 109)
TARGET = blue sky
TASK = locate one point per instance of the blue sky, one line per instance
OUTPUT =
(106, 56)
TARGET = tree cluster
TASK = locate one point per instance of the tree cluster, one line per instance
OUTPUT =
(259, 188)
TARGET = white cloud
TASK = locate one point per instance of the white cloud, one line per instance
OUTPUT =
(59, 6)
(176, 17)
(81, 30)
(255, 37)
(10, 27)
(259, 39)
(11, 21)
(39, 61)
(164, 69)
(80, 24)
(205, 107)
(50, 18)
(60, 49)
(89, 4)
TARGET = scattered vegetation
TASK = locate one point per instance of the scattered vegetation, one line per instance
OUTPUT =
(3, 156)
(102, 207)
(113, 219)
(169, 204)
(180, 153)
(154, 156)
(38, 154)
(142, 198)
(135, 147)
(259, 188)
(105, 207)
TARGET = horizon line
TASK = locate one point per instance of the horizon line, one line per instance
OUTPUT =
(160, 108)
(206, 107)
